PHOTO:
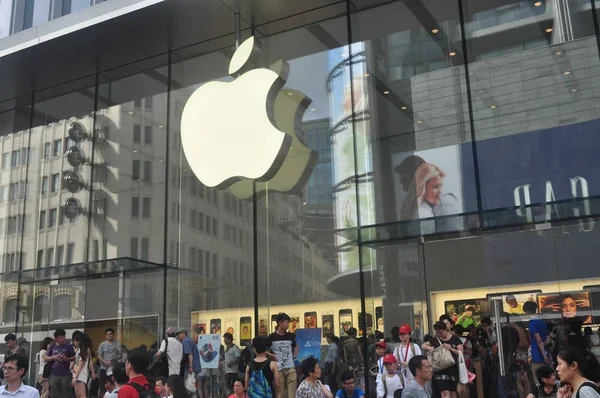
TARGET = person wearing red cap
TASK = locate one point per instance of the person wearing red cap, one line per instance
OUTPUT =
(380, 348)
(405, 351)
(389, 382)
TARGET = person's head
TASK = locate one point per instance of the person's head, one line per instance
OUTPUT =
(473, 332)
(136, 364)
(545, 375)
(405, 331)
(176, 387)
(109, 333)
(380, 348)
(352, 332)
(395, 331)
(120, 374)
(311, 368)
(82, 341)
(429, 180)
(469, 310)
(406, 170)
(109, 382)
(238, 386)
(573, 362)
(21, 341)
(511, 301)
(228, 338)
(59, 336)
(161, 386)
(486, 323)
(245, 330)
(421, 368)
(568, 306)
(15, 367)
(283, 321)
(447, 321)
(459, 330)
(529, 307)
(348, 381)
(46, 342)
(170, 332)
(259, 344)
(10, 340)
(389, 361)
(181, 334)
(440, 329)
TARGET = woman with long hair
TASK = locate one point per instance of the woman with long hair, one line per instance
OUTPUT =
(445, 380)
(578, 371)
(44, 372)
(405, 351)
(81, 367)
(176, 387)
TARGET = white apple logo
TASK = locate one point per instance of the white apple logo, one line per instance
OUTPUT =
(227, 129)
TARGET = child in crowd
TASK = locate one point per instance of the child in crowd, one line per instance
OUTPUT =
(545, 385)
(389, 382)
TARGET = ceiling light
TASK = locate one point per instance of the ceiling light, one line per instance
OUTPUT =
(135, 151)
(161, 161)
(130, 112)
(366, 75)
(574, 90)
(452, 53)
(386, 92)
(434, 31)
(537, 3)
(313, 109)
(558, 53)
(566, 73)
(139, 179)
(403, 108)
(161, 126)
(492, 106)
(548, 30)
(419, 121)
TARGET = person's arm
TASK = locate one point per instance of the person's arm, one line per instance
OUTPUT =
(541, 347)
(275, 371)
(48, 355)
(101, 355)
(247, 376)
(380, 387)
(161, 350)
(76, 372)
(427, 347)
(325, 389)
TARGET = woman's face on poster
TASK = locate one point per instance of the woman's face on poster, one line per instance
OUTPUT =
(569, 307)
(433, 190)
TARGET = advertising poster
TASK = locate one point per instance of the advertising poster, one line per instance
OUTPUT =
(209, 346)
(245, 330)
(595, 298)
(379, 317)
(328, 325)
(295, 323)
(310, 320)
(309, 344)
(215, 326)
(513, 303)
(570, 305)
(428, 185)
(467, 312)
(263, 329)
(345, 321)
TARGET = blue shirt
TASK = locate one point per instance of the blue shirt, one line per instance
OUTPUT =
(356, 394)
(190, 348)
(537, 326)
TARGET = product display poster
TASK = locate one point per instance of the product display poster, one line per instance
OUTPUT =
(294, 323)
(309, 344)
(327, 321)
(209, 346)
(570, 305)
(467, 312)
(513, 303)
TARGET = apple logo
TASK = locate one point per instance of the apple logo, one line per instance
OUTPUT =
(245, 131)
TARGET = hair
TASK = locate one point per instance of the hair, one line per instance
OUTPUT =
(459, 330)
(488, 321)
(424, 173)
(163, 380)
(415, 363)
(543, 372)
(409, 166)
(84, 344)
(587, 363)
(241, 380)
(46, 342)
(529, 307)
(119, 374)
(10, 337)
(76, 334)
(177, 386)
(352, 332)
(510, 297)
(347, 375)
(379, 335)
(428, 339)
(281, 317)
(110, 380)
(446, 317)
(21, 341)
(395, 332)
(228, 336)
(21, 362)
(308, 366)
(109, 330)
(60, 333)
(138, 361)
(440, 325)
(259, 343)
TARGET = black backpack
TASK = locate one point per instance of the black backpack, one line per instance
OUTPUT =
(143, 392)
(160, 367)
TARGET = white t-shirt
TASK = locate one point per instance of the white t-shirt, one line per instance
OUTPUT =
(174, 354)
(587, 392)
(392, 383)
(42, 361)
(404, 354)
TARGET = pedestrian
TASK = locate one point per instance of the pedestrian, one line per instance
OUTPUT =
(239, 390)
(332, 361)
(12, 348)
(232, 358)
(259, 368)
(119, 378)
(176, 387)
(172, 348)
(389, 382)
(538, 337)
(135, 367)
(15, 367)
(353, 355)
(61, 353)
(109, 384)
(284, 350)
(545, 385)
(311, 386)
(422, 370)
(44, 371)
(349, 389)
(108, 354)
(446, 380)
(579, 373)
(81, 369)
(190, 362)
(161, 387)
(405, 351)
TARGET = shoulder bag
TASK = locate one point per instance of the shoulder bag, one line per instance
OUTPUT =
(441, 358)
(160, 367)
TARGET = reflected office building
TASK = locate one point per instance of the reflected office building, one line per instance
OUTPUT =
(444, 157)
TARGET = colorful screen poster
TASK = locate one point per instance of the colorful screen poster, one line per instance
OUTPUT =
(209, 346)
(467, 312)
(309, 344)
(570, 305)
(294, 323)
(512, 303)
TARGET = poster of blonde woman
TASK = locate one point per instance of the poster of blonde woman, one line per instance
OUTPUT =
(428, 186)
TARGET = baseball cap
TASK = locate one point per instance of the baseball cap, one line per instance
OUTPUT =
(389, 358)
(381, 344)
(405, 329)
(181, 330)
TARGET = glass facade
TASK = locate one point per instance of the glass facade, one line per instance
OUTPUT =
(448, 160)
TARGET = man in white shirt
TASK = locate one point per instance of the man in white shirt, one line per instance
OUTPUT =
(174, 351)
(15, 367)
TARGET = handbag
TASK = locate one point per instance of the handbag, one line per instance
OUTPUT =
(190, 383)
(440, 358)
(160, 367)
(463, 373)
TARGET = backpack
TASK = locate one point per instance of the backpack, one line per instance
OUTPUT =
(160, 367)
(258, 385)
(588, 384)
(143, 392)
